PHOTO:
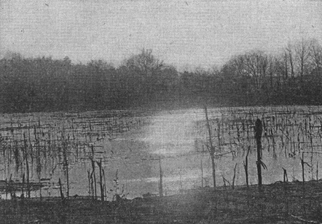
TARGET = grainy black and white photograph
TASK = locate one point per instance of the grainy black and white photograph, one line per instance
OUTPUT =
(174, 111)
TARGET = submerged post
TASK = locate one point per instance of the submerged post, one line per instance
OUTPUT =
(258, 136)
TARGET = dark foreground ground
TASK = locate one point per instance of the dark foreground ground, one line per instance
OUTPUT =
(276, 203)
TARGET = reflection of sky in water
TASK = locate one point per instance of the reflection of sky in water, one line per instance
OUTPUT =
(171, 135)
(173, 132)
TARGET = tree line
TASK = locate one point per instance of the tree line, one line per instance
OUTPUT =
(292, 76)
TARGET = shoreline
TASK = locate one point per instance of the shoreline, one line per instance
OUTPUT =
(289, 202)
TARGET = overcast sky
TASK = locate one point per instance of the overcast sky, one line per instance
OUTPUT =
(180, 32)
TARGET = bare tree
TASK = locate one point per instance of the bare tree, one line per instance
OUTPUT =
(315, 54)
(144, 63)
(289, 52)
(302, 57)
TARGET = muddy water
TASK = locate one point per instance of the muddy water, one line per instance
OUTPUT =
(174, 141)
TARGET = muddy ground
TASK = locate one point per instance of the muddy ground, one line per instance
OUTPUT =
(276, 203)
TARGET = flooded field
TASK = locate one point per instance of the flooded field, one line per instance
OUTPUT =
(127, 153)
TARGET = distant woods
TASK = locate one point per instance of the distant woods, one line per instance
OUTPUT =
(292, 76)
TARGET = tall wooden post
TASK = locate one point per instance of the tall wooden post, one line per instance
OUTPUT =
(258, 136)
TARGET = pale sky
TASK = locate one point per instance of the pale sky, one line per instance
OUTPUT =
(180, 32)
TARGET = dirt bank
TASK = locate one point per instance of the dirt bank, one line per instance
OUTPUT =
(276, 203)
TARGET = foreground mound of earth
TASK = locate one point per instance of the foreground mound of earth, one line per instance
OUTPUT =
(276, 203)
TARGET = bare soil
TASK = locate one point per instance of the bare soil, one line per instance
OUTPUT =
(276, 203)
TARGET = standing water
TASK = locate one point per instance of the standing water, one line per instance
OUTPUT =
(41, 149)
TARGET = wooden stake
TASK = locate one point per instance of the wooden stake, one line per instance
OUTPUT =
(258, 136)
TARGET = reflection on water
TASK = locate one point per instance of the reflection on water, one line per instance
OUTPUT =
(47, 147)
(173, 132)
